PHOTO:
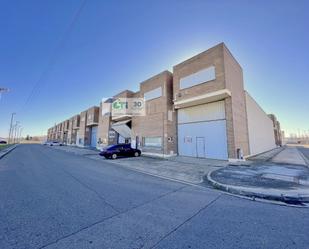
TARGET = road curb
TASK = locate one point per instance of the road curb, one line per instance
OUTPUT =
(7, 151)
(249, 193)
(280, 149)
(304, 157)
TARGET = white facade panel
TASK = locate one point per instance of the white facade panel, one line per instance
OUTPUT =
(203, 139)
(153, 94)
(205, 112)
(260, 128)
(199, 77)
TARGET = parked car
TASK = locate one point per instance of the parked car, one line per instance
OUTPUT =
(119, 150)
(55, 143)
(3, 142)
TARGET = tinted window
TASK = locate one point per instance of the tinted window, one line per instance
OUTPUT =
(111, 147)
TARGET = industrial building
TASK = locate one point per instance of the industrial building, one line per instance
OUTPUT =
(199, 110)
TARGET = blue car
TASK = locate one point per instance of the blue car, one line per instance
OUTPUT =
(119, 150)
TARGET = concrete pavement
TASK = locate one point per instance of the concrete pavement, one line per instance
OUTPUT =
(290, 155)
(284, 177)
(53, 199)
(184, 169)
(266, 156)
(7, 150)
(284, 183)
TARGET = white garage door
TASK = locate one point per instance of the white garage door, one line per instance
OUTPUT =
(202, 131)
(94, 131)
(77, 138)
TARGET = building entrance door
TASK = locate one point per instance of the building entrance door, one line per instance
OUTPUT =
(200, 147)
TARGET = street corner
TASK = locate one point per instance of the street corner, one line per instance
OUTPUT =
(284, 183)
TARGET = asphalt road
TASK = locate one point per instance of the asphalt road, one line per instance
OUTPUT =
(53, 199)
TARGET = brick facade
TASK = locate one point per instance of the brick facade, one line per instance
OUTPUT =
(160, 118)
(160, 121)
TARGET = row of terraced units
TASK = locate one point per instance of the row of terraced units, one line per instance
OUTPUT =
(199, 110)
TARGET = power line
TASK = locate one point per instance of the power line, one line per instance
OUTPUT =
(37, 86)
(3, 90)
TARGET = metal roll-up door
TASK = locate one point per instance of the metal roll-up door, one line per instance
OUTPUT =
(202, 131)
(94, 131)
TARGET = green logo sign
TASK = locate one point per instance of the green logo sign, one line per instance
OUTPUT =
(120, 105)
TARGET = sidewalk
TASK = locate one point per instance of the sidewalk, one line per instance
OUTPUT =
(266, 156)
(7, 150)
(280, 174)
(176, 170)
(76, 150)
(184, 169)
(290, 155)
(286, 183)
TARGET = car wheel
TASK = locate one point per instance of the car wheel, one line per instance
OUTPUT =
(136, 154)
(114, 156)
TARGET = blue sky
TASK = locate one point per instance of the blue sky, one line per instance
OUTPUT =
(114, 45)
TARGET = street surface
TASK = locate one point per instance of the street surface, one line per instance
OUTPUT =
(53, 199)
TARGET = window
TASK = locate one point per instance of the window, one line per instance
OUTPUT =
(111, 147)
(199, 77)
(153, 142)
(153, 94)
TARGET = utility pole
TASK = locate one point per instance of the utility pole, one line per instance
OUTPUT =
(11, 127)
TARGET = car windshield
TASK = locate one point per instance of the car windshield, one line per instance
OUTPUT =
(110, 147)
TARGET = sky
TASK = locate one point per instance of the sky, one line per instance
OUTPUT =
(60, 57)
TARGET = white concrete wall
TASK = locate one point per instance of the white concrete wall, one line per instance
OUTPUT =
(260, 128)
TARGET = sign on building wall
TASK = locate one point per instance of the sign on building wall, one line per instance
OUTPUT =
(111, 134)
(187, 139)
(124, 106)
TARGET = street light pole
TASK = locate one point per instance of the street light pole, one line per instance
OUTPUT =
(16, 131)
(11, 127)
(19, 136)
